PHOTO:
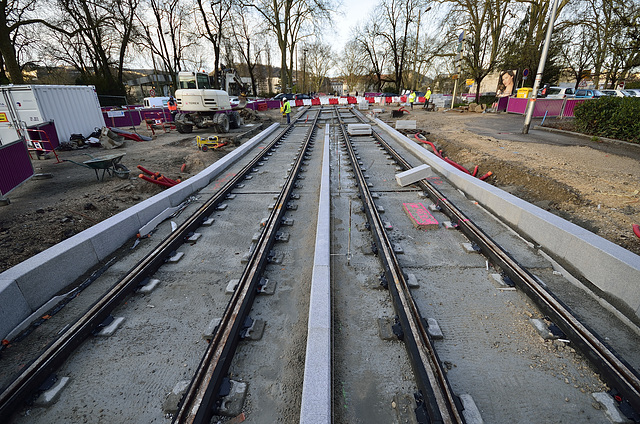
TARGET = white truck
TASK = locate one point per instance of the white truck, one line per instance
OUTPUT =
(201, 106)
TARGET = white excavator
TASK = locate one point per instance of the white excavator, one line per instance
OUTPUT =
(201, 106)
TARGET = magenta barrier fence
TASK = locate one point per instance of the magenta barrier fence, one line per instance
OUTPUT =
(15, 166)
(129, 117)
(502, 104)
(517, 105)
(570, 106)
(550, 107)
(49, 128)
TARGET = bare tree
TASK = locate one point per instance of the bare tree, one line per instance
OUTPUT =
(370, 44)
(352, 65)
(94, 37)
(167, 36)
(398, 16)
(484, 21)
(215, 16)
(320, 59)
(245, 34)
(286, 19)
(576, 52)
(15, 17)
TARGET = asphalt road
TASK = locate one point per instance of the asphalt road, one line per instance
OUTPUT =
(506, 126)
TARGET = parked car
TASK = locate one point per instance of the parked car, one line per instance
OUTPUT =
(558, 92)
(387, 95)
(633, 92)
(582, 93)
(616, 93)
(302, 97)
(284, 96)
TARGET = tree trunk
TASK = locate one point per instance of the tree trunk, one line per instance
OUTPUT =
(10, 59)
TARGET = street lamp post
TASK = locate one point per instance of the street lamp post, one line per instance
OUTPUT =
(543, 58)
(415, 51)
(304, 70)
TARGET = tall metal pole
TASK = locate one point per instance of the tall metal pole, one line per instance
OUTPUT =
(415, 51)
(531, 104)
(459, 70)
(304, 70)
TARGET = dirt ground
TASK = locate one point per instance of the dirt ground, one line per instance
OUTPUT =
(593, 184)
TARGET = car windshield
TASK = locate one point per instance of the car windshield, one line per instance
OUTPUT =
(553, 90)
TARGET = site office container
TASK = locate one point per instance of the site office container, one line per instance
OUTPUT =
(73, 109)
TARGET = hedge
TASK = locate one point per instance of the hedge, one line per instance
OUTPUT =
(612, 117)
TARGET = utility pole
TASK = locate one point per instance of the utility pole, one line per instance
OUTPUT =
(459, 70)
(531, 104)
(304, 69)
(415, 51)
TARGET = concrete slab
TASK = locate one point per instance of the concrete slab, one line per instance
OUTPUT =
(359, 129)
(40, 277)
(14, 308)
(413, 175)
(406, 124)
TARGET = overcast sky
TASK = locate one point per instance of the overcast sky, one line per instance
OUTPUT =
(354, 11)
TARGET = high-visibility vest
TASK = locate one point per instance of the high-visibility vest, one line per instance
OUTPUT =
(412, 97)
(287, 107)
(171, 104)
(428, 95)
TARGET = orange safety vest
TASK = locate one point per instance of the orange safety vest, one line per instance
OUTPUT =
(171, 104)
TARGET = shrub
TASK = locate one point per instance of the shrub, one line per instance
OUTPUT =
(613, 117)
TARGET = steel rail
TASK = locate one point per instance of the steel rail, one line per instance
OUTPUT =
(619, 374)
(198, 403)
(440, 402)
(59, 350)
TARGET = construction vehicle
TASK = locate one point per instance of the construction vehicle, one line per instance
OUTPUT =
(201, 106)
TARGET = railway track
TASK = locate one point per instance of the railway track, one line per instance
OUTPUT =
(248, 275)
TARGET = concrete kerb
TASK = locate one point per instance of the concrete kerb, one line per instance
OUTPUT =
(586, 136)
(27, 286)
(316, 390)
(610, 268)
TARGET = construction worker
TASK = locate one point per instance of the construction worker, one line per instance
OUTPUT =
(427, 96)
(173, 106)
(412, 98)
(287, 111)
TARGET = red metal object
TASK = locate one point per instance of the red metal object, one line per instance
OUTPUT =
(636, 230)
(42, 138)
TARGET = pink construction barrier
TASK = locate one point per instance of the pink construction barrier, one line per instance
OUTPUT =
(548, 107)
(516, 105)
(570, 106)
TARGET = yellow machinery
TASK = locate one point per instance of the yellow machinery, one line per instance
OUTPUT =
(211, 142)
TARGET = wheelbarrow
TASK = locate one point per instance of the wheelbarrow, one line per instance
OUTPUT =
(109, 164)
